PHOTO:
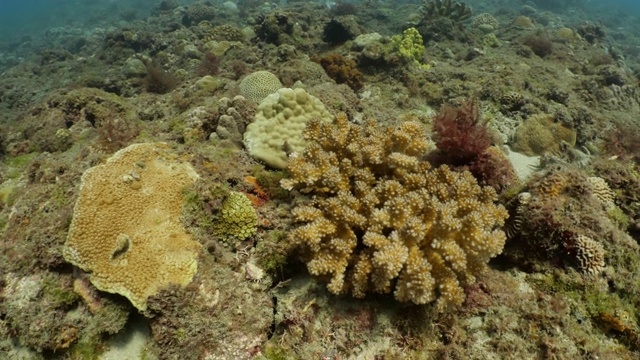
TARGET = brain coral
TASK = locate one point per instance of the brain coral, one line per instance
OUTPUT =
(257, 85)
(381, 219)
(279, 123)
(590, 255)
(601, 190)
(126, 228)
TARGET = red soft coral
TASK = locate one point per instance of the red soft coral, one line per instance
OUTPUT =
(460, 134)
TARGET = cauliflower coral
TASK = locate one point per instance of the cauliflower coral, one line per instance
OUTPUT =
(383, 220)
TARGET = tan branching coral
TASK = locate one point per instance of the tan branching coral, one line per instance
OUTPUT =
(382, 219)
(590, 255)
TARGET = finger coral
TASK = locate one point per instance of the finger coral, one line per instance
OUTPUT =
(382, 219)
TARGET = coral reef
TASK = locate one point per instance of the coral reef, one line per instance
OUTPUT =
(83, 79)
(568, 220)
(198, 12)
(383, 220)
(279, 123)
(125, 230)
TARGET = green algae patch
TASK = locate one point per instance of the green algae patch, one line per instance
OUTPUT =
(17, 164)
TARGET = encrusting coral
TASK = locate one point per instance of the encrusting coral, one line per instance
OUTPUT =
(126, 229)
(382, 218)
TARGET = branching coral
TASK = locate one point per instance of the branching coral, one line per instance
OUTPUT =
(382, 219)
(410, 47)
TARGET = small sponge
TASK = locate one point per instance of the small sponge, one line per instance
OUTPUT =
(281, 119)
(256, 86)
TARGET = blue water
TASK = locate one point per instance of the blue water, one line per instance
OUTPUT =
(21, 19)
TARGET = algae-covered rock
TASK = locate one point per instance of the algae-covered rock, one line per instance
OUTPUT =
(134, 68)
(539, 135)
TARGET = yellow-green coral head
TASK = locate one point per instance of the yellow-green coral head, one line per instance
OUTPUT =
(238, 218)
(409, 46)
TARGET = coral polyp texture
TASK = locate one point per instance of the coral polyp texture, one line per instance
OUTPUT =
(238, 218)
(257, 85)
(382, 220)
(126, 229)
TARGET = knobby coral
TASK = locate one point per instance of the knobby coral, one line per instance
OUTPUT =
(382, 218)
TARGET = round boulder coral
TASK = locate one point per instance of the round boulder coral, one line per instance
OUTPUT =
(257, 85)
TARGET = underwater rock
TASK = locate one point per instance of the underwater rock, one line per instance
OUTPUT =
(340, 29)
(134, 68)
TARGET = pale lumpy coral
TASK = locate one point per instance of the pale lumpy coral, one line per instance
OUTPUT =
(383, 220)
(279, 123)
(126, 230)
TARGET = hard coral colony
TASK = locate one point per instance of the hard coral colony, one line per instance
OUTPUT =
(383, 220)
